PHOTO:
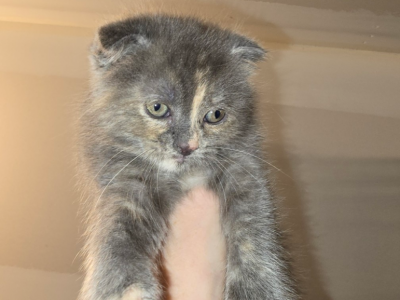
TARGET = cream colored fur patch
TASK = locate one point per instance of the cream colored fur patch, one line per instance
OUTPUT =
(197, 99)
(133, 293)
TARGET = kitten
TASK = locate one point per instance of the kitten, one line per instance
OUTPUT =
(170, 103)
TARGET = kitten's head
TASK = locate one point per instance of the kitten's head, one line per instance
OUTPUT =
(172, 88)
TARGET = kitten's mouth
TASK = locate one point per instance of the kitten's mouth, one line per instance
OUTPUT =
(179, 158)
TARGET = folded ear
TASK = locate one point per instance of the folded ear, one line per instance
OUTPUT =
(247, 50)
(115, 40)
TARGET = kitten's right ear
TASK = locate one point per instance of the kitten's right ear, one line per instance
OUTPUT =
(113, 41)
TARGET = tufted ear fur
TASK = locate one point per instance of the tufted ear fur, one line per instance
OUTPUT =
(114, 41)
(247, 50)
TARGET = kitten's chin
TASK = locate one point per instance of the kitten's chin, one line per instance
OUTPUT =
(176, 163)
(170, 165)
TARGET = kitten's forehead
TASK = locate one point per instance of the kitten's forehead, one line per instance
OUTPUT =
(158, 89)
(175, 87)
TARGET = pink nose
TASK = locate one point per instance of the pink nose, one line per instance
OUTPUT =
(185, 149)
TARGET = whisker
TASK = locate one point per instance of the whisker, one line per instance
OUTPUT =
(148, 179)
(158, 170)
(97, 174)
(240, 165)
(123, 168)
(149, 175)
(245, 152)
(94, 178)
(223, 190)
(216, 160)
(145, 169)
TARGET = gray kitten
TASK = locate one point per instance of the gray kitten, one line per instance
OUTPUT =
(171, 104)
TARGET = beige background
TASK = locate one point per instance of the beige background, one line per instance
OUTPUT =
(329, 96)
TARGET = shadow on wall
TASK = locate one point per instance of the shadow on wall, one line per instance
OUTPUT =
(288, 189)
(226, 13)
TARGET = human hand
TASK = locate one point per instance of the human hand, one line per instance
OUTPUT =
(195, 251)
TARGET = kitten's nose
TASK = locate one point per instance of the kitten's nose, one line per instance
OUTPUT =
(185, 149)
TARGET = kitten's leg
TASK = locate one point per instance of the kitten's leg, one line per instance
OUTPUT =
(124, 241)
(255, 266)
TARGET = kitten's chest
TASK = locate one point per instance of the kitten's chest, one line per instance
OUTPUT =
(189, 192)
(197, 194)
(194, 180)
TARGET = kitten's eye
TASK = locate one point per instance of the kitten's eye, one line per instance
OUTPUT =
(214, 116)
(158, 110)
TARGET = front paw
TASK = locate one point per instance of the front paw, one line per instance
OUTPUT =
(134, 293)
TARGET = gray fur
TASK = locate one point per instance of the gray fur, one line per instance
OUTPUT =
(128, 156)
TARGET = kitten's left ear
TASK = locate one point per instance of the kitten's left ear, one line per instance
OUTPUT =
(247, 50)
(115, 40)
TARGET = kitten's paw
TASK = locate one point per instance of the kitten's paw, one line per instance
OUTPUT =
(136, 293)
(132, 293)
